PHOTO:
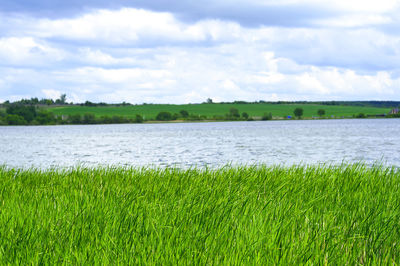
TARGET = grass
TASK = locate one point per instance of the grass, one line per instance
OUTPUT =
(150, 111)
(243, 215)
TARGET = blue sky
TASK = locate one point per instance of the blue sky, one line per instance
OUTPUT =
(167, 51)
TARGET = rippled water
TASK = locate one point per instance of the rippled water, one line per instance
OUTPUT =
(203, 144)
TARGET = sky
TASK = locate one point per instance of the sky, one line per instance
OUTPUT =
(170, 51)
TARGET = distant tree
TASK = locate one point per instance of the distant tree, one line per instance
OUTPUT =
(34, 100)
(48, 101)
(88, 103)
(15, 120)
(233, 112)
(138, 119)
(209, 100)
(393, 115)
(245, 115)
(361, 115)
(63, 98)
(175, 116)
(321, 112)
(184, 113)
(164, 116)
(105, 119)
(75, 119)
(117, 119)
(89, 118)
(45, 118)
(298, 112)
(266, 116)
(219, 117)
(2, 118)
(27, 112)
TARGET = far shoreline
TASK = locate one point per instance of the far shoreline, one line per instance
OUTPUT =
(30, 112)
(154, 122)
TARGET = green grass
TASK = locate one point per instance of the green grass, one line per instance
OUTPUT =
(244, 215)
(150, 111)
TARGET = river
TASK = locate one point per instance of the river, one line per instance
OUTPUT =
(203, 144)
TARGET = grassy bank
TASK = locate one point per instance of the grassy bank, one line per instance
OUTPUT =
(150, 111)
(26, 114)
(249, 215)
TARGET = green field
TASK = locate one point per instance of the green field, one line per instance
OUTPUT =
(345, 215)
(150, 111)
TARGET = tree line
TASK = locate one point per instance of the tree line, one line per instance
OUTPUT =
(18, 114)
(36, 101)
(29, 112)
(62, 100)
(21, 114)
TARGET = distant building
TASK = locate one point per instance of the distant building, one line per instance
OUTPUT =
(394, 111)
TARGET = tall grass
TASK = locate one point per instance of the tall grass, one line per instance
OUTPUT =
(242, 215)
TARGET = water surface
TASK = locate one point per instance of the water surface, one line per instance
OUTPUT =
(203, 144)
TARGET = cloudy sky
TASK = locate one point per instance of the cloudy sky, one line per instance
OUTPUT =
(170, 51)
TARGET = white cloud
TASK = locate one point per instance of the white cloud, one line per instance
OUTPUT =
(372, 6)
(28, 51)
(344, 5)
(98, 57)
(131, 26)
(145, 56)
(209, 80)
(354, 20)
